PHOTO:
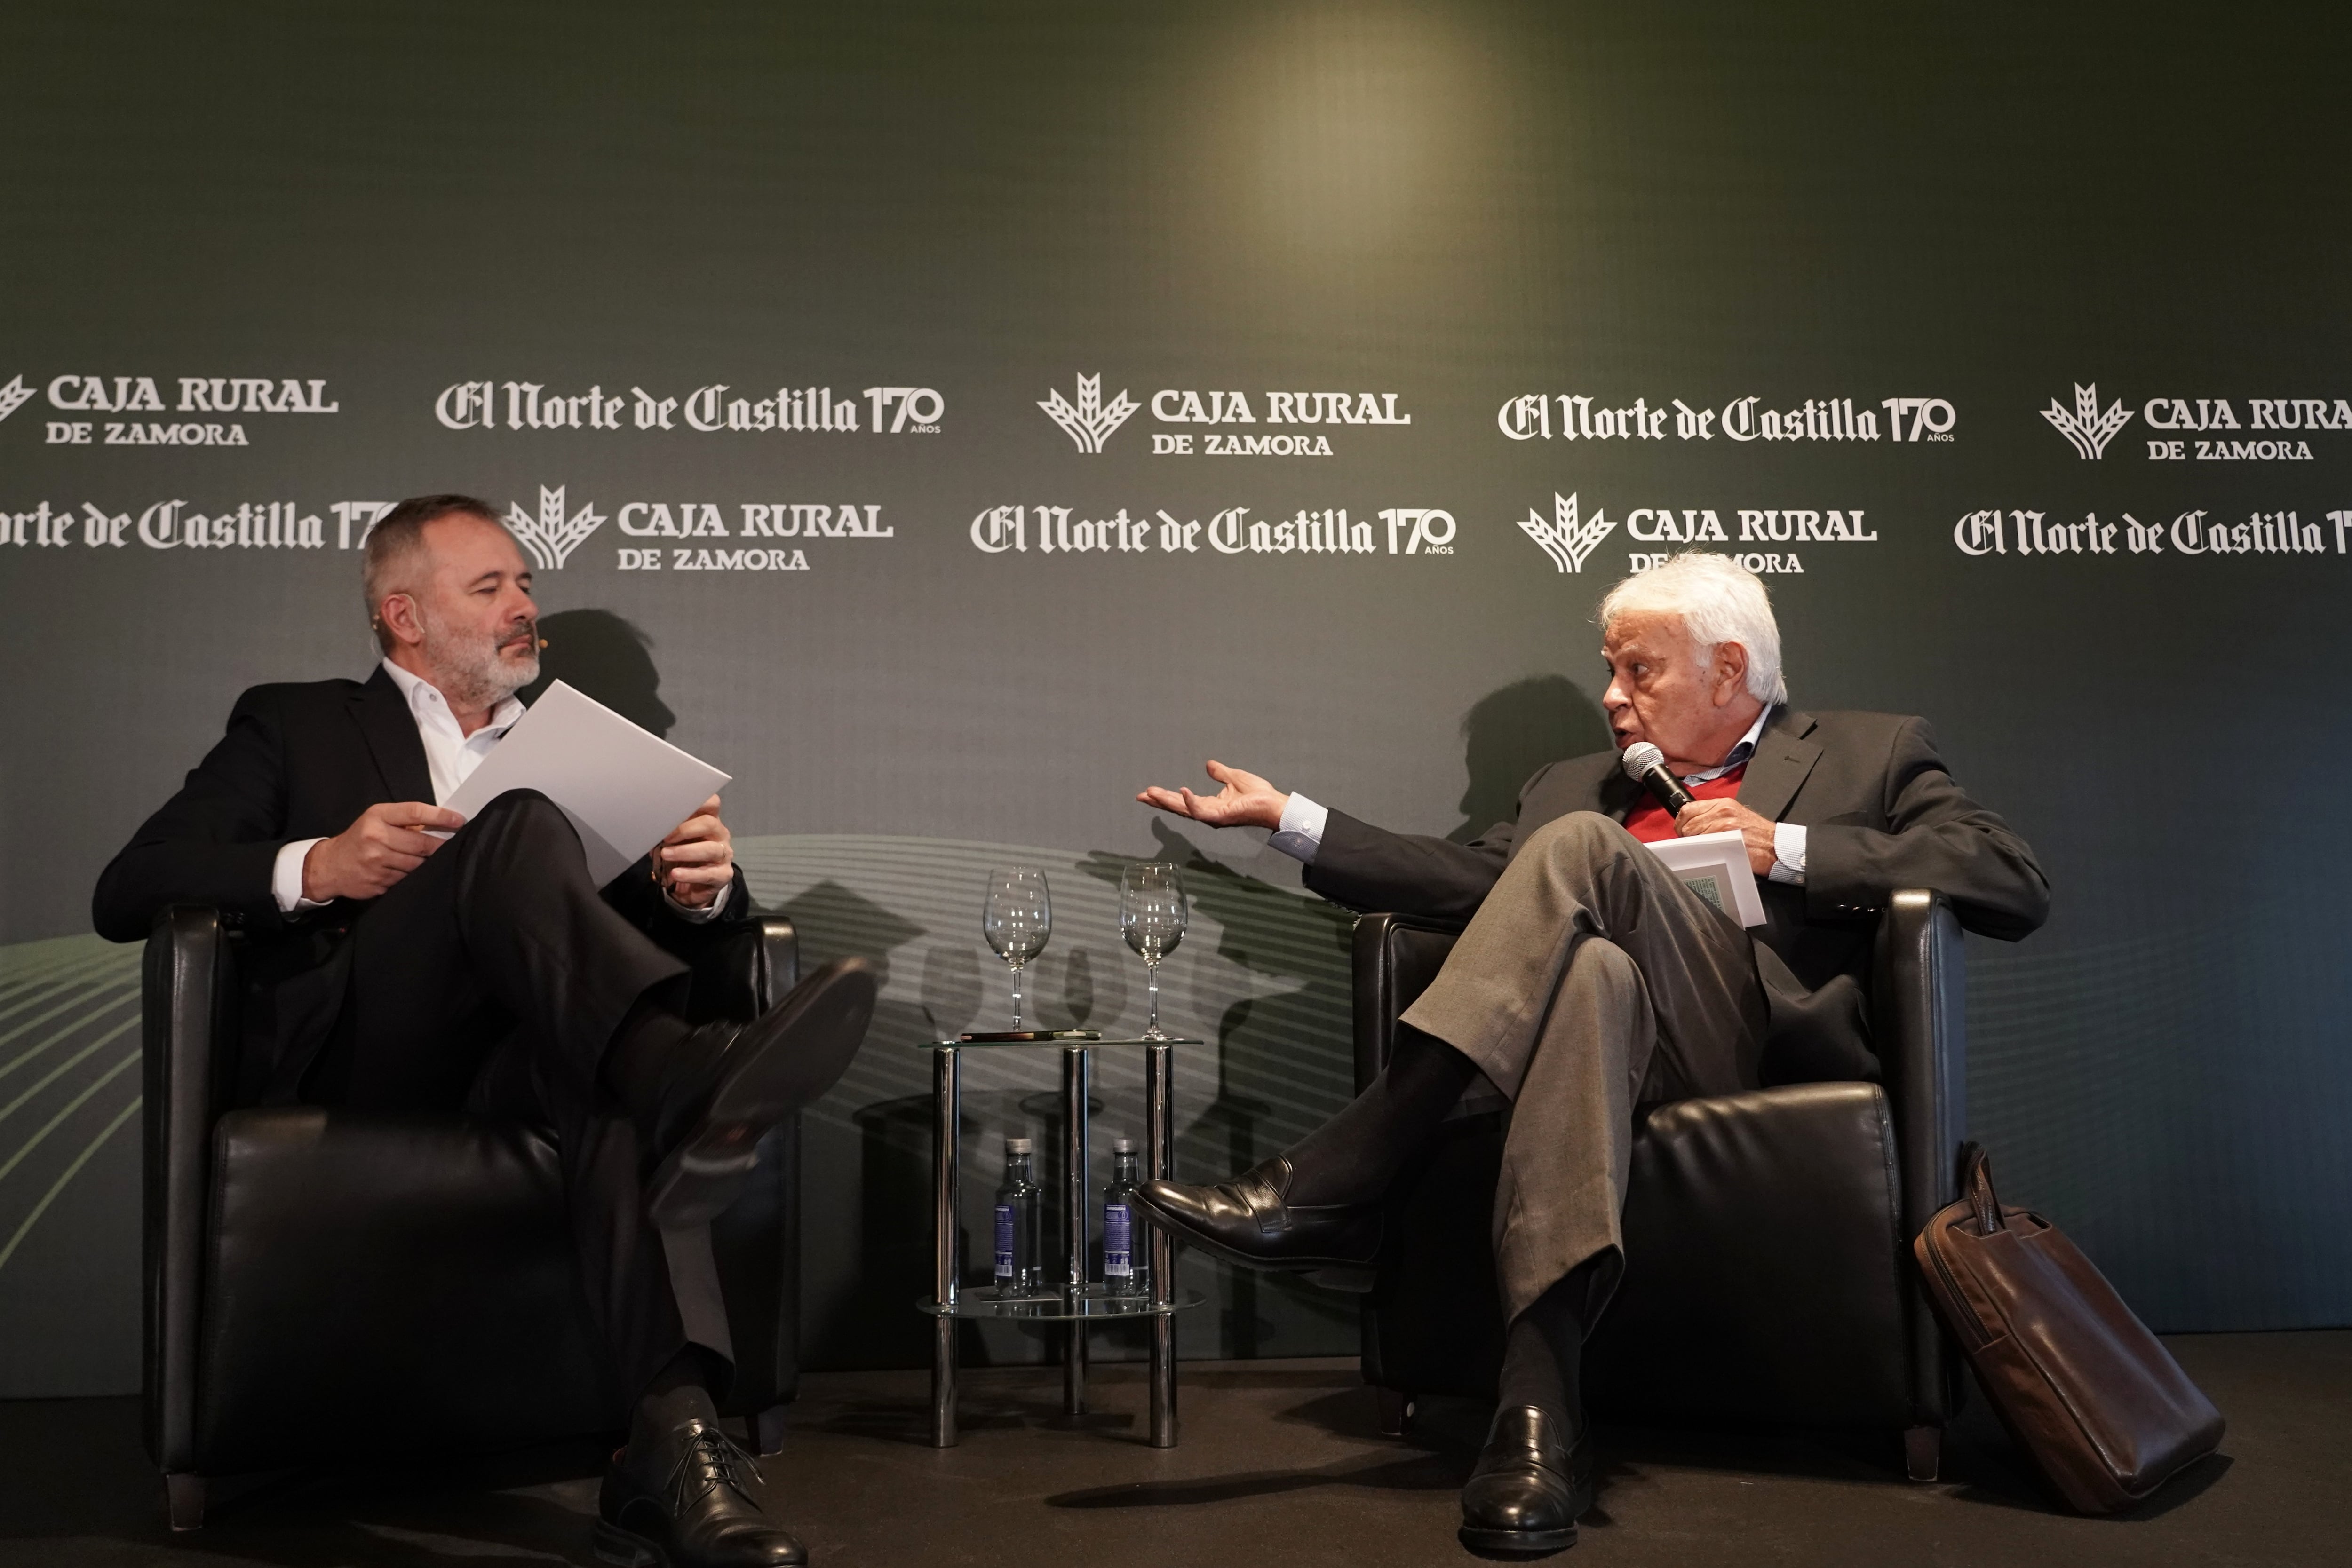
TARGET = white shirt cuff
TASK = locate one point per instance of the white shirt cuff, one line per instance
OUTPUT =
(1301, 833)
(1788, 853)
(285, 877)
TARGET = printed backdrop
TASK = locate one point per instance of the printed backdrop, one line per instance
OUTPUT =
(951, 418)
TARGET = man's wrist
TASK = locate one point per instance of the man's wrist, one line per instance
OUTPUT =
(697, 912)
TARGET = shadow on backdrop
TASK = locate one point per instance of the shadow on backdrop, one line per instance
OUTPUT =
(1510, 733)
(606, 657)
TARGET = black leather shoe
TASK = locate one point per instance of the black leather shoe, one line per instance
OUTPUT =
(707, 1136)
(1529, 1489)
(698, 1514)
(1250, 1221)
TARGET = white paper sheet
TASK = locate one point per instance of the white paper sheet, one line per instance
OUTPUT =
(623, 787)
(1715, 866)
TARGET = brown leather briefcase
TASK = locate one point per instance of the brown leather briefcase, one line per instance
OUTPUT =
(2079, 1381)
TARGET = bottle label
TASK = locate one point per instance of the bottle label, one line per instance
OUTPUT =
(1119, 1255)
(1005, 1244)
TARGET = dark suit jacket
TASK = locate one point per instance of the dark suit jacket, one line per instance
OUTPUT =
(299, 761)
(1880, 813)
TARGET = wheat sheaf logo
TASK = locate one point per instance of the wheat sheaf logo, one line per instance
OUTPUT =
(14, 396)
(1092, 422)
(552, 537)
(1565, 539)
(2087, 428)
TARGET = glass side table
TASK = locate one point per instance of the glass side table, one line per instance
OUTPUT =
(1075, 1301)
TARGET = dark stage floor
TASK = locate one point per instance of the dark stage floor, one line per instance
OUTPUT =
(1280, 1464)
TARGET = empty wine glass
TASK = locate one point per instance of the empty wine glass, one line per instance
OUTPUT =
(1152, 918)
(1016, 920)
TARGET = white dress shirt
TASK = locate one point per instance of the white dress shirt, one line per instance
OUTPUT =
(1300, 836)
(450, 757)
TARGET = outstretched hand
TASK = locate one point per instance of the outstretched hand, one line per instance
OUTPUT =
(1245, 800)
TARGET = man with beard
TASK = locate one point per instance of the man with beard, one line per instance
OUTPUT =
(400, 957)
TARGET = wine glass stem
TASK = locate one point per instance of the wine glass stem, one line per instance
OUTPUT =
(1152, 986)
(1016, 996)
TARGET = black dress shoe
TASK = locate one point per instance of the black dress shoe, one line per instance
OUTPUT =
(698, 1514)
(707, 1137)
(1250, 1219)
(1529, 1489)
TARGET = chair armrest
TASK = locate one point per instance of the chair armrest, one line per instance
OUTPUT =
(188, 1005)
(743, 967)
(779, 958)
(1920, 1023)
(1394, 958)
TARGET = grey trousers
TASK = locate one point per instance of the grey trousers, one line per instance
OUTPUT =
(1590, 981)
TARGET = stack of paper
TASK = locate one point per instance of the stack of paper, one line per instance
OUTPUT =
(623, 787)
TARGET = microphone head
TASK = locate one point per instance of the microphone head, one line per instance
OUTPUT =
(1639, 758)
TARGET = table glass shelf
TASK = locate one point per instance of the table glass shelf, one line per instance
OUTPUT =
(1045, 1044)
(1093, 1304)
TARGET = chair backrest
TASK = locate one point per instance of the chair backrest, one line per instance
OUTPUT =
(188, 1002)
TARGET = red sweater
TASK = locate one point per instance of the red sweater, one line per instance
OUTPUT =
(1649, 822)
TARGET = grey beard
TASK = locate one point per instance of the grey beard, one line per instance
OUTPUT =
(470, 673)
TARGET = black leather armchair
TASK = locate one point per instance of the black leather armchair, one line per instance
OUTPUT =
(324, 1285)
(1769, 1275)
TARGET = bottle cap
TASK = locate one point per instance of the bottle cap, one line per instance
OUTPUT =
(1018, 1145)
(1122, 1146)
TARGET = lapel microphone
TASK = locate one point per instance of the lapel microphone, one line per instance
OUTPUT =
(1645, 765)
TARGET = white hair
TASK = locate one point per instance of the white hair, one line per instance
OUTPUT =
(1718, 601)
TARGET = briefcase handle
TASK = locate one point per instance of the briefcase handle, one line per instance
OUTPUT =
(1975, 1183)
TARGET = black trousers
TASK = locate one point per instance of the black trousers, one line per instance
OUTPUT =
(491, 980)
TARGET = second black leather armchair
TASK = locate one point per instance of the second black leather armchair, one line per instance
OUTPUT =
(1768, 1269)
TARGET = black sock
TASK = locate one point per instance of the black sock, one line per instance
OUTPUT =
(1543, 1352)
(1352, 1158)
(678, 1393)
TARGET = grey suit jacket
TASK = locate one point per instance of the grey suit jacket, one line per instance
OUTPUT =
(1882, 813)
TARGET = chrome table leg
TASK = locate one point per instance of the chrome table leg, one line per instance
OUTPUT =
(947, 1259)
(1076, 1075)
(1160, 1164)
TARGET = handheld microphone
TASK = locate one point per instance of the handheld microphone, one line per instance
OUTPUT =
(1646, 766)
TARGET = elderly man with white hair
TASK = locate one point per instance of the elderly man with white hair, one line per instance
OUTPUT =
(1590, 981)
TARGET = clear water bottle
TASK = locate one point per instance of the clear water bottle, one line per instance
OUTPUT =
(1016, 1221)
(1127, 1244)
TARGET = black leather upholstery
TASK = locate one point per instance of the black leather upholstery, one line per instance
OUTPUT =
(321, 1283)
(388, 1281)
(1766, 1234)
